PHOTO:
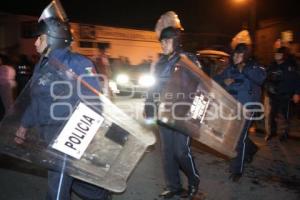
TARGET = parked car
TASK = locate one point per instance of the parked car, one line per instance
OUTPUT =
(132, 80)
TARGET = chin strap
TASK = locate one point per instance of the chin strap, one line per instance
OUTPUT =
(46, 50)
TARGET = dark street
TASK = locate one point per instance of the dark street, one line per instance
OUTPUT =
(274, 173)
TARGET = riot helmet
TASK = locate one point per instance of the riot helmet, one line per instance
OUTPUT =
(169, 32)
(244, 49)
(58, 32)
(169, 26)
(53, 22)
(172, 33)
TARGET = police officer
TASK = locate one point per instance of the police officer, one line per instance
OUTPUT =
(243, 79)
(53, 44)
(176, 152)
(282, 85)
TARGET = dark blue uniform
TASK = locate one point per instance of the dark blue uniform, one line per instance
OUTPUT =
(176, 152)
(38, 114)
(246, 88)
(282, 84)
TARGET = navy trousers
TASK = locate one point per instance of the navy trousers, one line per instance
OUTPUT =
(60, 184)
(176, 155)
(245, 148)
(279, 106)
(68, 184)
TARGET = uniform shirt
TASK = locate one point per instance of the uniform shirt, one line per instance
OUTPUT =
(163, 70)
(283, 80)
(247, 83)
(57, 68)
(166, 66)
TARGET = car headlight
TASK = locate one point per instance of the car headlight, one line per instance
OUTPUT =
(146, 81)
(122, 79)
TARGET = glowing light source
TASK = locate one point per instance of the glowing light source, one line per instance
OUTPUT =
(122, 79)
(146, 81)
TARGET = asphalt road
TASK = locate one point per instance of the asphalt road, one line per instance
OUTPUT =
(274, 174)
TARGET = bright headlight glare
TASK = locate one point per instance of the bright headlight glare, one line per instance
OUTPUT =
(122, 79)
(146, 81)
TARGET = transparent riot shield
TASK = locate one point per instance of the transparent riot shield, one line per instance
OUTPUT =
(196, 105)
(86, 136)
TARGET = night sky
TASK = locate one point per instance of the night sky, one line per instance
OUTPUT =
(206, 16)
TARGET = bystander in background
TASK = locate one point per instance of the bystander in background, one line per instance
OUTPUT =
(7, 84)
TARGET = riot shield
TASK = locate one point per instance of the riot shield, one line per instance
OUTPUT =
(196, 105)
(89, 137)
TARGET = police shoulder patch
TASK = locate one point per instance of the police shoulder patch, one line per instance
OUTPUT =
(89, 70)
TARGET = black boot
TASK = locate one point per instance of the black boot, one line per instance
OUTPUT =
(249, 158)
(284, 137)
(235, 177)
(192, 191)
(167, 194)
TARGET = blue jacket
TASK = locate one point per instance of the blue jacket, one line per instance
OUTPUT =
(282, 80)
(163, 71)
(55, 71)
(247, 83)
(165, 67)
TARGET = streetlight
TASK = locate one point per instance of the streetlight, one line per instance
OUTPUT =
(239, 1)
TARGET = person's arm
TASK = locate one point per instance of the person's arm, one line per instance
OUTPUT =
(223, 78)
(256, 74)
(27, 121)
(296, 96)
(28, 118)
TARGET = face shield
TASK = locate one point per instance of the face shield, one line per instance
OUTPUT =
(54, 10)
(54, 23)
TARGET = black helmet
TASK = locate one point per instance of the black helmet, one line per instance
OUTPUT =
(243, 48)
(54, 23)
(169, 32)
(174, 33)
(58, 32)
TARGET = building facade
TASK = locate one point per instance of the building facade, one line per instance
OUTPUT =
(134, 45)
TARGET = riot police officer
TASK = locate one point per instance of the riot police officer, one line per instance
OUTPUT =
(54, 39)
(243, 80)
(175, 146)
(282, 85)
